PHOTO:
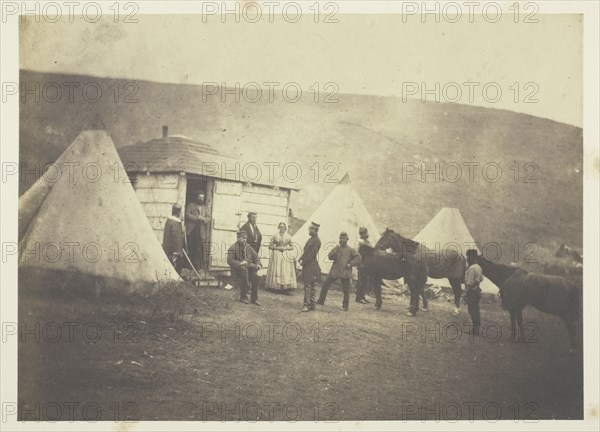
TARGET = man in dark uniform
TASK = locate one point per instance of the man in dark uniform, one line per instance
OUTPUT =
(362, 286)
(473, 277)
(244, 262)
(196, 216)
(174, 238)
(253, 233)
(344, 258)
(311, 272)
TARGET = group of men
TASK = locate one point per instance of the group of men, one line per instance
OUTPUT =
(344, 258)
(242, 256)
(244, 260)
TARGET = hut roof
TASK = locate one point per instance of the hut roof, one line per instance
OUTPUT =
(177, 153)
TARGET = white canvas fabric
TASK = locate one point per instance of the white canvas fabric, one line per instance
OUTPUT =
(90, 221)
(448, 230)
(342, 210)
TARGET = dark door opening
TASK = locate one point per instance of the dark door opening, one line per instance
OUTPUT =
(198, 234)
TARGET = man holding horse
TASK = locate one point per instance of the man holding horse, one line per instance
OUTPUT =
(473, 277)
(362, 286)
(344, 258)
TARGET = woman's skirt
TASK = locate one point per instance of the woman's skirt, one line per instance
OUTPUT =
(281, 274)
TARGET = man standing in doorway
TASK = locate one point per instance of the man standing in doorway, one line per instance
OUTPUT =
(253, 233)
(196, 217)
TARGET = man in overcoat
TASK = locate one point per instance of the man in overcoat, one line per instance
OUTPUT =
(311, 271)
(344, 258)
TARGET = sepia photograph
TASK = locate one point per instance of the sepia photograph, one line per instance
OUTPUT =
(350, 215)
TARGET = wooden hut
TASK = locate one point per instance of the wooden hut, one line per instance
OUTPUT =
(173, 168)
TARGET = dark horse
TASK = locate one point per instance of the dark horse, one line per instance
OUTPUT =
(518, 288)
(379, 265)
(448, 263)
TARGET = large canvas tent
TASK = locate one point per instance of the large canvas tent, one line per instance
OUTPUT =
(82, 218)
(342, 210)
(447, 230)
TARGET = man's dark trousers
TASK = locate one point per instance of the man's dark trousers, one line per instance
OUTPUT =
(248, 281)
(345, 288)
(473, 307)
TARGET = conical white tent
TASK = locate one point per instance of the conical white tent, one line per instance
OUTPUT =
(84, 219)
(447, 230)
(342, 210)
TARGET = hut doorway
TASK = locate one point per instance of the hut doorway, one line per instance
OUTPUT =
(194, 186)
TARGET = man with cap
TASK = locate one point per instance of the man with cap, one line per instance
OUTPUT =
(344, 258)
(174, 237)
(311, 272)
(196, 217)
(244, 262)
(473, 277)
(252, 231)
(362, 283)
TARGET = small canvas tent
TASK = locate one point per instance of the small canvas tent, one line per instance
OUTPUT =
(447, 230)
(82, 218)
(342, 210)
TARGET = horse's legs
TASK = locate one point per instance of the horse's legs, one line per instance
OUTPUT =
(570, 324)
(520, 325)
(414, 297)
(513, 326)
(422, 293)
(376, 283)
(456, 287)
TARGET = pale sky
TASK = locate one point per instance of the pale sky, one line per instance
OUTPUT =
(365, 54)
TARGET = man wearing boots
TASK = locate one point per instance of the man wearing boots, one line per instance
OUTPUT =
(244, 263)
(473, 277)
(344, 258)
(311, 272)
(174, 238)
(362, 285)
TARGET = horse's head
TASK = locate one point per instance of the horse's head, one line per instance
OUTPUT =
(496, 272)
(399, 244)
(386, 240)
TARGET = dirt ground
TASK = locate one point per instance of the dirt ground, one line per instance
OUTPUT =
(120, 358)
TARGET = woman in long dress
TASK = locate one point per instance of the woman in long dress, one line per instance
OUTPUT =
(281, 274)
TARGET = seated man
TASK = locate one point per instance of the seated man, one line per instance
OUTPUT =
(244, 262)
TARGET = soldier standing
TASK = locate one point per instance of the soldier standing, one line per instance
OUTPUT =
(362, 286)
(252, 232)
(174, 238)
(311, 272)
(473, 277)
(344, 258)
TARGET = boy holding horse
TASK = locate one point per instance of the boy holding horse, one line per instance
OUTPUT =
(473, 277)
